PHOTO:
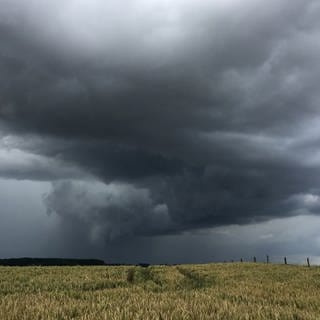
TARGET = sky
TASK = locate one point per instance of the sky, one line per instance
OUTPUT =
(160, 131)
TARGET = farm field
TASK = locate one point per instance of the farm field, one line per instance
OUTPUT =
(211, 291)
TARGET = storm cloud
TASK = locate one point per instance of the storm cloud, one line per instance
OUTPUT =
(155, 118)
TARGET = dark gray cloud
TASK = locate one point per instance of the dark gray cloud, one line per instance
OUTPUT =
(109, 211)
(156, 118)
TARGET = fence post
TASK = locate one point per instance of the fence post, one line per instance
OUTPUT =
(267, 259)
(285, 260)
(241, 260)
(308, 262)
(254, 259)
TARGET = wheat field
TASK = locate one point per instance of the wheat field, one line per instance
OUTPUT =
(211, 291)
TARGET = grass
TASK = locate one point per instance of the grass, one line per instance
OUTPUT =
(212, 291)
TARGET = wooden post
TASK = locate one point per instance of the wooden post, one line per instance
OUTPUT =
(267, 259)
(285, 260)
(241, 260)
(308, 262)
(254, 259)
